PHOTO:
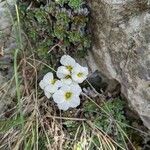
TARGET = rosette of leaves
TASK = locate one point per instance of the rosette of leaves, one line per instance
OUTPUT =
(74, 4)
(56, 26)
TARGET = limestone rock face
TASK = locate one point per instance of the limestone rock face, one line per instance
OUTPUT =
(121, 48)
(7, 45)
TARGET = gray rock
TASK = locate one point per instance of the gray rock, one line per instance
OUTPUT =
(121, 48)
(7, 45)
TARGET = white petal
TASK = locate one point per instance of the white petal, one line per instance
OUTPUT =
(42, 84)
(47, 94)
(48, 77)
(50, 88)
(76, 89)
(79, 69)
(58, 96)
(58, 84)
(74, 102)
(67, 81)
(63, 106)
(65, 88)
(62, 72)
(85, 71)
(76, 68)
(67, 60)
(77, 79)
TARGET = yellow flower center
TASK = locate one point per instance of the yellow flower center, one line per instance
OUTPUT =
(68, 77)
(69, 68)
(53, 81)
(80, 75)
(68, 96)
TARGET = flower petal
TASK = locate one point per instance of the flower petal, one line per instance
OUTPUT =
(79, 70)
(58, 96)
(63, 106)
(76, 89)
(48, 77)
(67, 81)
(74, 102)
(65, 88)
(77, 79)
(67, 60)
(62, 72)
(42, 84)
(47, 94)
(50, 88)
(85, 71)
(58, 84)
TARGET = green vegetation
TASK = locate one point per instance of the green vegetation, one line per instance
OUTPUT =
(97, 124)
(74, 4)
(107, 119)
(57, 26)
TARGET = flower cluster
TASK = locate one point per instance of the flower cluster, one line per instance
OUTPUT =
(65, 90)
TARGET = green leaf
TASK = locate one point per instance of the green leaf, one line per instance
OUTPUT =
(75, 4)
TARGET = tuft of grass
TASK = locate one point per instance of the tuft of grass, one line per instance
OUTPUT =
(18, 39)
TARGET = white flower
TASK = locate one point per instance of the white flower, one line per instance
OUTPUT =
(49, 84)
(47, 94)
(76, 86)
(67, 96)
(49, 90)
(68, 62)
(79, 73)
(64, 74)
(47, 79)
(66, 91)
(67, 81)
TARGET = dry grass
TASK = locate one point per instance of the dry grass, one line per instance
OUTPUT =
(43, 119)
